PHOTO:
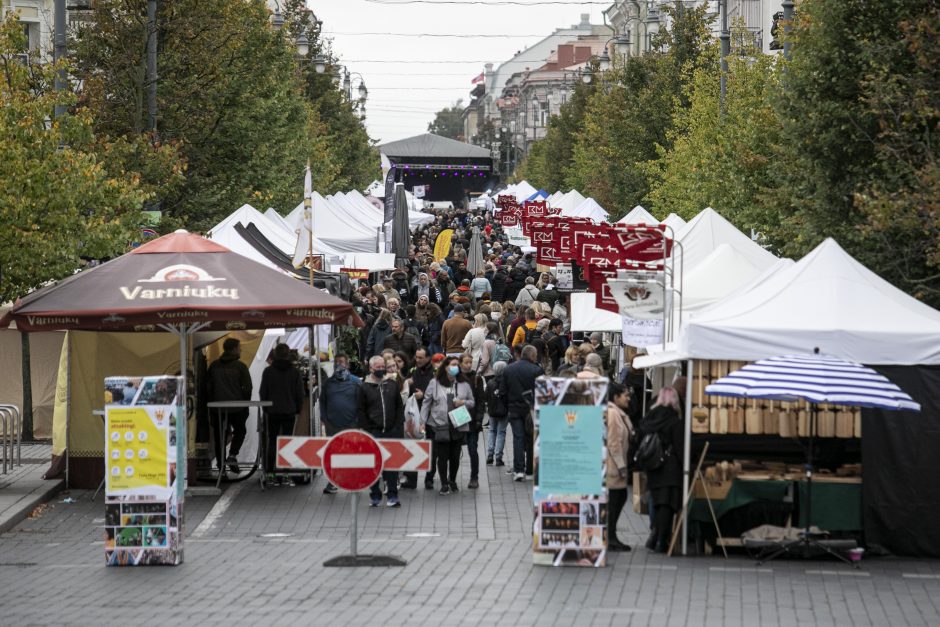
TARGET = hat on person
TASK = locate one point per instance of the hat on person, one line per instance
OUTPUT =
(437, 358)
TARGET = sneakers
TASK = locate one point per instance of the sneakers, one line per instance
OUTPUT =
(519, 476)
(330, 489)
(499, 462)
(445, 490)
(529, 477)
(453, 487)
(393, 502)
(232, 462)
(617, 545)
(407, 485)
(489, 460)
(375, 502)
(429, 484)
(510, 471)
(473, 485)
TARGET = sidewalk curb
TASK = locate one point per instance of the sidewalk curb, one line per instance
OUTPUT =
(28, 502)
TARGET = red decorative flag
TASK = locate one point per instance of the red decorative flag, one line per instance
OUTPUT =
(478, 79)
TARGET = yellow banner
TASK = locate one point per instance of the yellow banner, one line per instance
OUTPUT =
(136, 447)
(442, 244)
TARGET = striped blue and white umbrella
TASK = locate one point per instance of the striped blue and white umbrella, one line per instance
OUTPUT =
(815, 378)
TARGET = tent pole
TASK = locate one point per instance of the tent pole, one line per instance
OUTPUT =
(181, 417)
(314, 376)
(687, 454)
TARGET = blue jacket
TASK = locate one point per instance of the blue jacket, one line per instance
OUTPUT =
(339, 401)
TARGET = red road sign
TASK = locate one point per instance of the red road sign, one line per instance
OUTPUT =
(302, 452)
(352, 460)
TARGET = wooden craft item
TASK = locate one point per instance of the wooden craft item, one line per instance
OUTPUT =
(857, 419)
(753, 419)
(784, 426)
(714, 412)
(802, 420)
(826, 422)
(845, 423)
(770, 419)
(736, 420)
(724, 416)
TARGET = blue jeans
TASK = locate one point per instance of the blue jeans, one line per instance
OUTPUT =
(496, 439)
(391, 484)
(473, 449)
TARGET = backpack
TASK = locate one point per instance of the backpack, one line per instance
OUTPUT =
(530, 334)
(501, 352)
(649, 453)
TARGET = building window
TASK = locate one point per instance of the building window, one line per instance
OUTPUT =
(31, 31)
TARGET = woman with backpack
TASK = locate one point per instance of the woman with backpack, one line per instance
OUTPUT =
(618, 447)
(474, 339)
(661, 463)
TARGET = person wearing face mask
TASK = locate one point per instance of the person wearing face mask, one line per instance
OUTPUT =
(381, 413)
(339, 402)
(444, 394)
(470, 375)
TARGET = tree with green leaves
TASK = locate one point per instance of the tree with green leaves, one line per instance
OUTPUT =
(721, 155)
(630, 113)
(65, 193)
(448, 122)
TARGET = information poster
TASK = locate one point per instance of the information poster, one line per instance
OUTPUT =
(571, 441)
(143, 517)
(570, 494)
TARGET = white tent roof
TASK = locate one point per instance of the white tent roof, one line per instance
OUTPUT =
(276, 218)
(588, 209)
(569, 201)
(586, 317)
(638, 215)
(280, 236)
(718, 275)
(826, 300)
(415, 218)
(675, 221)
(523, 190)
(555, 198)
(334, 227)
(708, 230)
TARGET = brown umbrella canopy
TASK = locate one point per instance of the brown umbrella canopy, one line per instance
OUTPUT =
(178, 278)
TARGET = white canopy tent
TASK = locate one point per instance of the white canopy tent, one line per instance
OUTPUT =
(675, 222)
(523, 190)
(638, 215)
(827, 300)
(334, 227)
(554, 198)
(276, 218)
(588, 209)
(569, 201)
(586, 317)
(278, 234)
(708, 230)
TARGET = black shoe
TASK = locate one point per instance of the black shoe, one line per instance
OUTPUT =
(489, 460)
(445, 490)
(330, 489)
(499, 462)
(473, 485)
(617, 545)
(429, 484)
(232, 462)
(453, 487)
(409, 486)
(651, 541)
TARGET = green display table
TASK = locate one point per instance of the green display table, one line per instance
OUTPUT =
(836, 506)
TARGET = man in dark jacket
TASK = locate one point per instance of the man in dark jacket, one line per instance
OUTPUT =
(339, 402)
(519, 379)
(283, 385)
(398, 340)
(516, 281)
(228, 379)
(498, 284)
(555, 343)
(382, 415)
(469, 375)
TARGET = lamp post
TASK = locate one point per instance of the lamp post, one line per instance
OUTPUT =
(787, 26)
(725, 37)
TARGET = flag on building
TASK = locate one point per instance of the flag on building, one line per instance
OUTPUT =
(478, 79)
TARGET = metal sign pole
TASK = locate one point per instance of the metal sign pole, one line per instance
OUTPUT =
(354, 532)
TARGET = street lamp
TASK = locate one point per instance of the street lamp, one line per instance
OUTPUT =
(587, 75)
(319, 64)
(303, 45)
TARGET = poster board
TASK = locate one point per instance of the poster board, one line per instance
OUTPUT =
(570, 492)
(143, 514)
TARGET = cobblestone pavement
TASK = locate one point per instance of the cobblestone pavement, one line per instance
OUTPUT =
(468, 563)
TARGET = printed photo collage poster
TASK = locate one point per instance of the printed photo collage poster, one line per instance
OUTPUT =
(143, 516)
(570, 492)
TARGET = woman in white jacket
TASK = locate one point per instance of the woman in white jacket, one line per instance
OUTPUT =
(473, 341)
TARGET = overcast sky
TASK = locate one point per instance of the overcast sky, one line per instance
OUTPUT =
(422, 74)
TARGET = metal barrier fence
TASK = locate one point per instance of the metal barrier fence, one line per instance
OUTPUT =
(12, 427)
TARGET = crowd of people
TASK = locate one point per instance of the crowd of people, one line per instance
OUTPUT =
(440, 339)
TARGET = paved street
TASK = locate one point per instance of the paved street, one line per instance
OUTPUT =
(468, 563)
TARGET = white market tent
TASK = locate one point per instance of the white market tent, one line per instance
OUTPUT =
(638, 215)
(415, 218)
(716, 277)
(276, 218)
(826, 300)
(569, 201)
(278, 235)
(334, 227)
(707, 231)
(588, 209)
(554, 198)
(523, 190)
(586, 317)
(675, 222)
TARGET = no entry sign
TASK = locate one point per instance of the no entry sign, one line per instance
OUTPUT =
(300, 452)
(352, 460)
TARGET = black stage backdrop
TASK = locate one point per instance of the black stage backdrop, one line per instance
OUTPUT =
(901, 467)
